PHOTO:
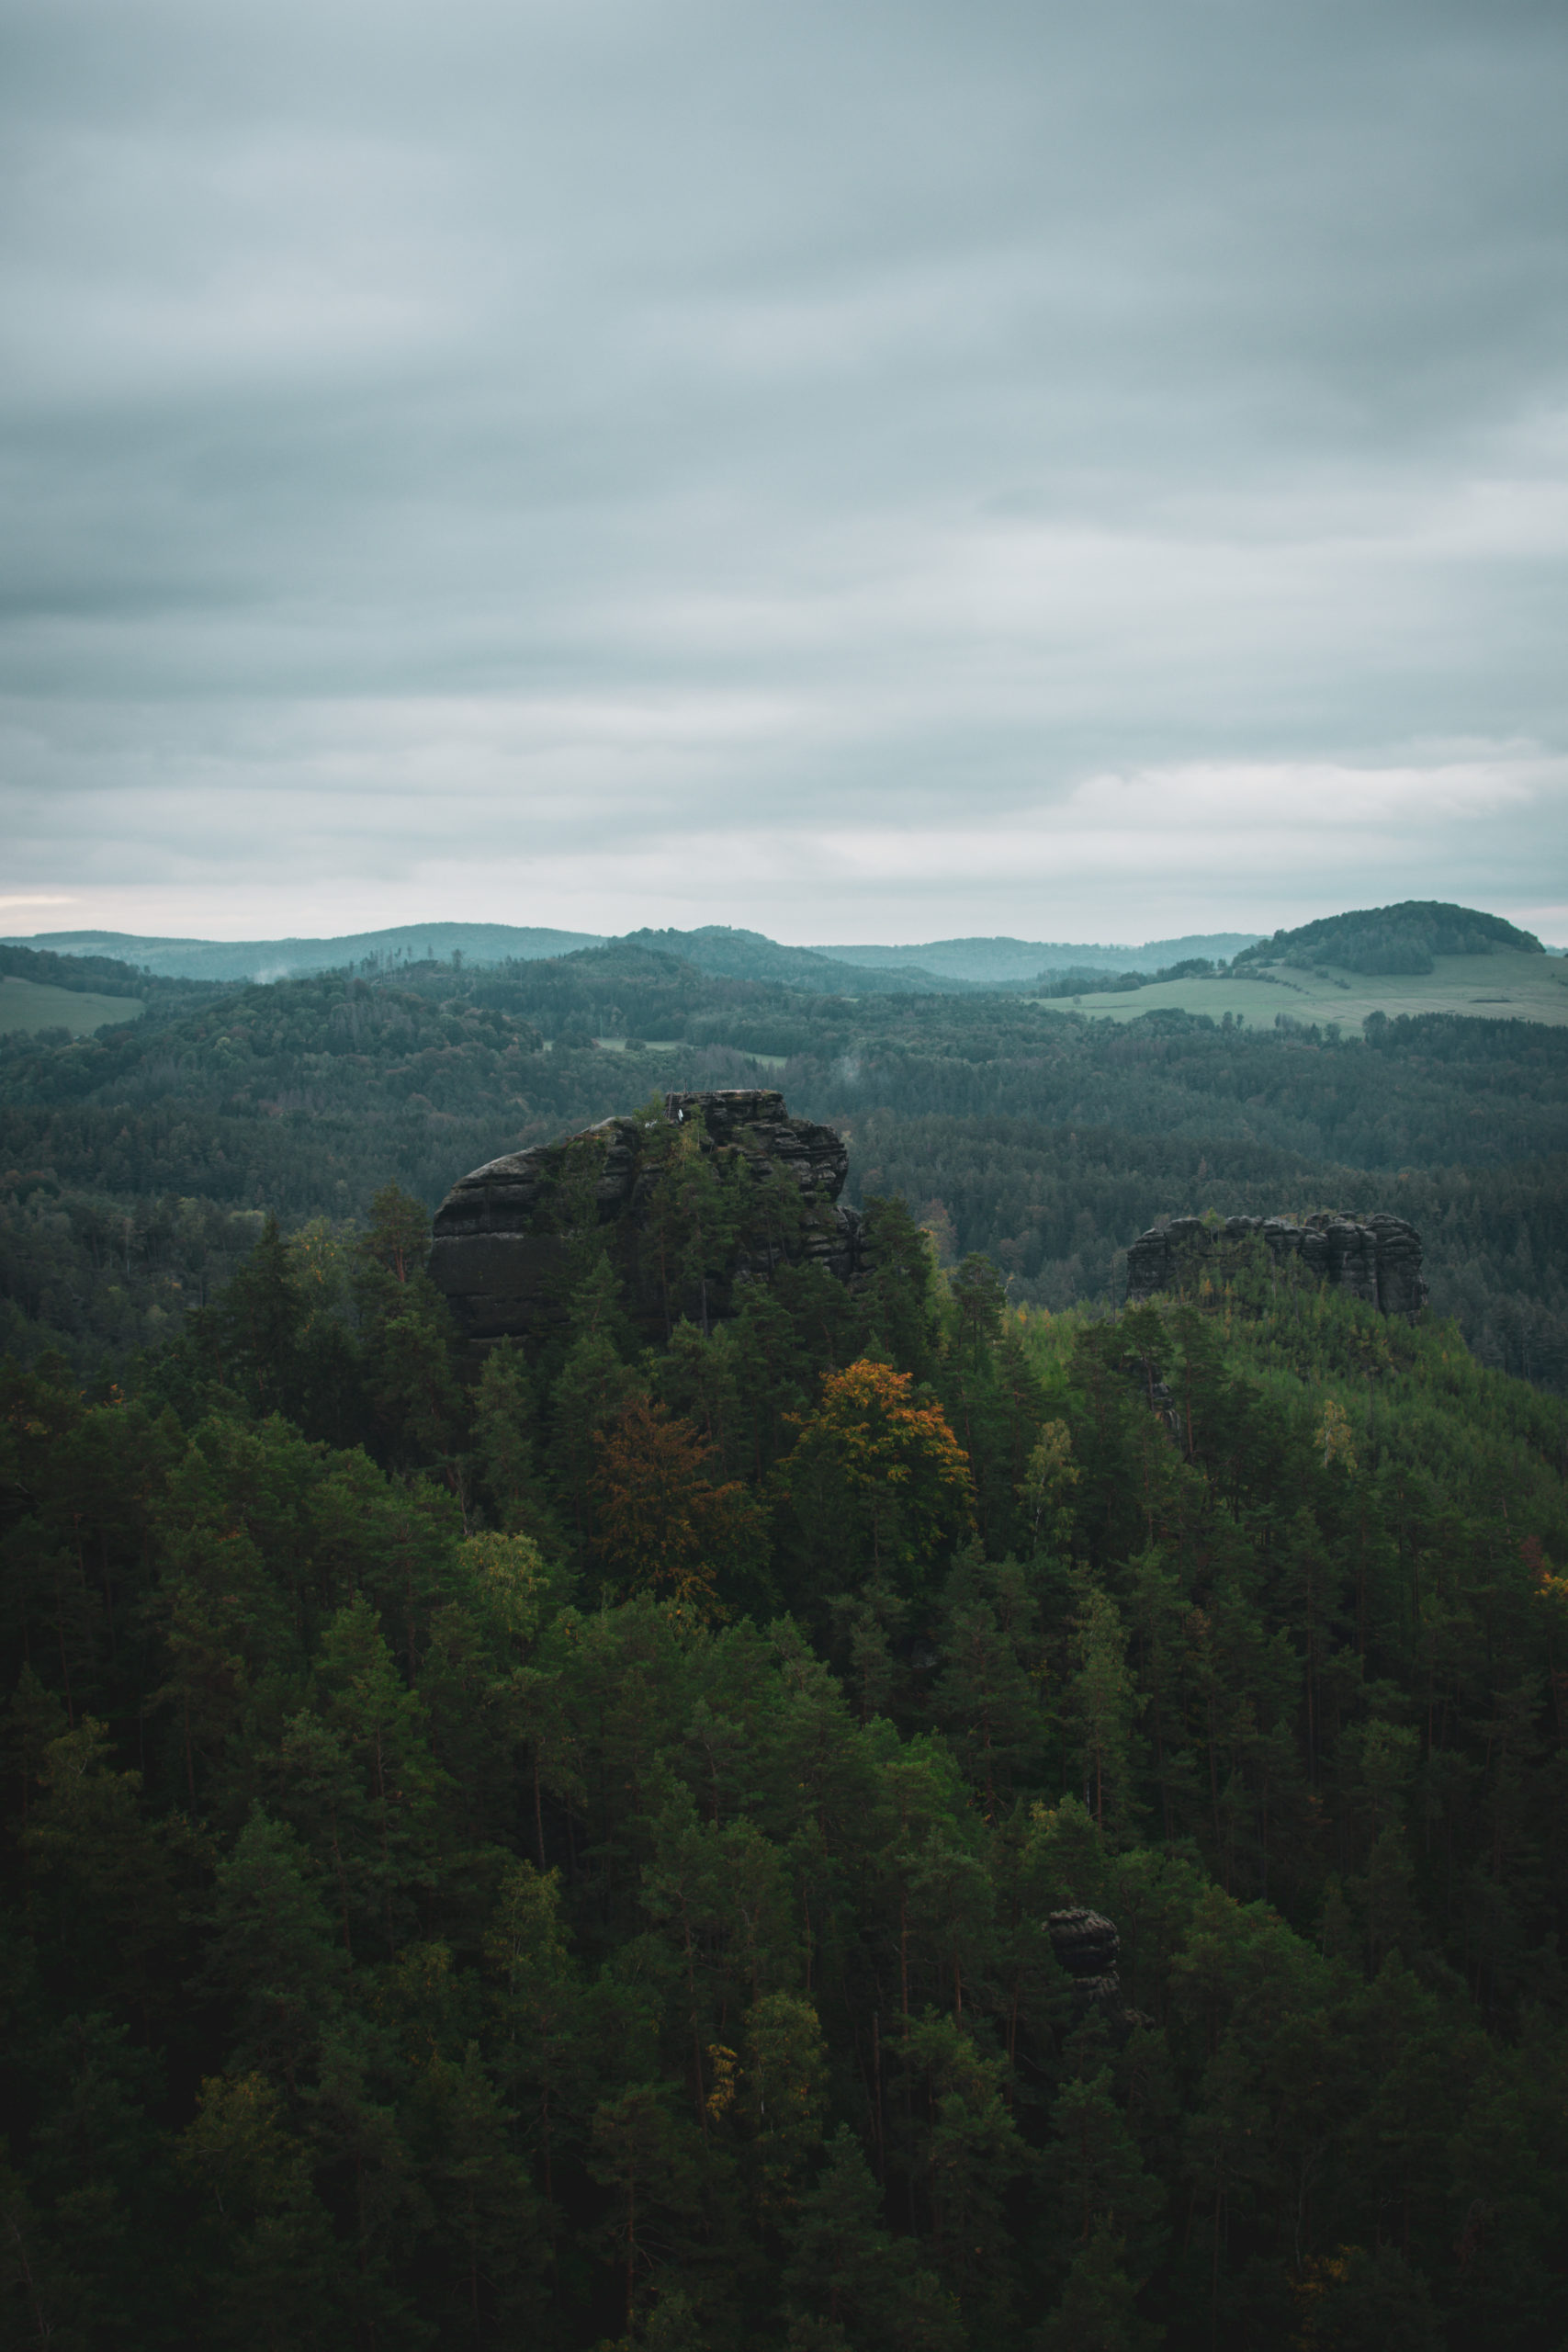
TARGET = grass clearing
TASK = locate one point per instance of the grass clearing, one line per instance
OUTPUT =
(33, 1005)
(1504, 986)
(680, 1045)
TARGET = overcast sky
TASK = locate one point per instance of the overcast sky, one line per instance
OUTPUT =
(865, 471)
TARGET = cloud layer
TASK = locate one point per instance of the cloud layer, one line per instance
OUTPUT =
(866, 473)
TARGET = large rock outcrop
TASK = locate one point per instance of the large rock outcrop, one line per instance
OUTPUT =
(1087, 1945)
(1375, 1258)
(510, 1239)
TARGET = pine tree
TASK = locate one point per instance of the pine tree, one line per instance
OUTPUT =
(1103, 1704)
(270, 1954)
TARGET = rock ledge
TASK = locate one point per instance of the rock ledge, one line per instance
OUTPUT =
(1377, 1257)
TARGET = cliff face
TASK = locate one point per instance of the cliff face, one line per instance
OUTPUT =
(511, 1238)
(1375, 1258)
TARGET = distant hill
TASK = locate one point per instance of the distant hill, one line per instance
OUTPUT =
(1398, 939)
(714, 948)
(997, 963)
(86, 973)
(279, 959)
(750, 955)
(943, 966)
(1391, 940)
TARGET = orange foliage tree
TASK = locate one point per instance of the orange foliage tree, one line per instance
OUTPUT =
(660, 1519)
(878, 1481)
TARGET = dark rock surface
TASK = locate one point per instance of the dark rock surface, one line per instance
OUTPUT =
(1375, 1258)
(509, 1238)
(1087, 1945)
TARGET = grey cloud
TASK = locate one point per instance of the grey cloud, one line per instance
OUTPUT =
(607, 424)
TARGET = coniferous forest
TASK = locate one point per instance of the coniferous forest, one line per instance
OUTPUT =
(564, 1857)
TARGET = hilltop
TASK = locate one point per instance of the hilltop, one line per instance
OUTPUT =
(1405, 938)
(1372, 964)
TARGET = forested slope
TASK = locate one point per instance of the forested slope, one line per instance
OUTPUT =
(566, 1863)
(136, 1165)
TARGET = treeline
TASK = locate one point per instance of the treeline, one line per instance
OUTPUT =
(1436, 1088)
(99, 975)
(566, 1860)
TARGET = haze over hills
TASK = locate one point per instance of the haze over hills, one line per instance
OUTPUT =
(718, 949)
(1414, 957)
(991, 962)
(728, 953)
(277, 959)
(1373, 965)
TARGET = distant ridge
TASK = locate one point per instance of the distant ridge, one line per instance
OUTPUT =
(728, 953)
(1394, 939)
(280, 959)
(993, 963)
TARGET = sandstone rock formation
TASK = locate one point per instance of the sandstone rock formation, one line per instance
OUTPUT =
(1375, 1258)
(511, 1238)
(1087, 1945)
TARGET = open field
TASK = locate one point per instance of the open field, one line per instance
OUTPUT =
(1502, 987)
(32, 1004)
(676, 1045)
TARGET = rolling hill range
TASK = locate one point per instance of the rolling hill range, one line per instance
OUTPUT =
(1417, 958)
(278, 960)
(718, 949)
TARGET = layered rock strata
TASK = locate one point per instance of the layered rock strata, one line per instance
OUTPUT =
(1087, 1945)
(510, 1239)
(1376, 1258)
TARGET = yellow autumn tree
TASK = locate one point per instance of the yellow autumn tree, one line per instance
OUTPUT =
(877, 1478)
(1334, 1435)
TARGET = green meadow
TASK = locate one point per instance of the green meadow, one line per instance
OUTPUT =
(1506, 985)
(33, 1004)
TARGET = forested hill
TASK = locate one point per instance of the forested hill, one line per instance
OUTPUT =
(567, 1863)
(748, 955)
(1404, 938)
(136, 1163)
(99, 975)
(713, 947)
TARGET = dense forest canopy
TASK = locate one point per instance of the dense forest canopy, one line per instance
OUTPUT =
(566, 1857)
(566, 1861)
